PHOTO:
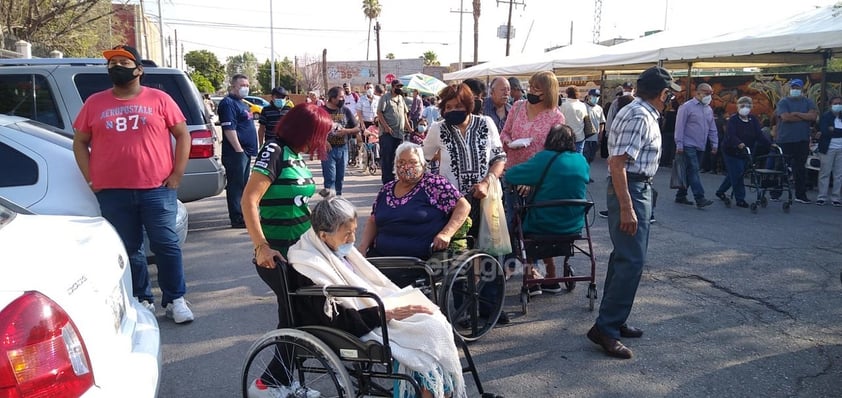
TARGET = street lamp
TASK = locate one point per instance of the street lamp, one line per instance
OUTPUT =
(377, 36)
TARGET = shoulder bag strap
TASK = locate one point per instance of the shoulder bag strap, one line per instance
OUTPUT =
(531, 197)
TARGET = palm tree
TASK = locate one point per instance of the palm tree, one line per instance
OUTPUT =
(390, 56)
(371, 9)
(476, 30)
(430, 58)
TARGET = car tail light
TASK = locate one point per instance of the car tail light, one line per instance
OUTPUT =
(41, 352)
(201, 144)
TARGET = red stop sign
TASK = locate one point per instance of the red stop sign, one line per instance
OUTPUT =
(389, 78)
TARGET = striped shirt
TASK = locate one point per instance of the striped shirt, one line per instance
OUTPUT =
(635, 132)
(284, 214)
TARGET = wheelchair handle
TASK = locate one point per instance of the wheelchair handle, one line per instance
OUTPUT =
(349, 291)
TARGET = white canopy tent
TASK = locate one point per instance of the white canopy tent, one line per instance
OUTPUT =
(805, 38)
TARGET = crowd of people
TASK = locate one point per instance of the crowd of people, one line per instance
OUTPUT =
(440, 156)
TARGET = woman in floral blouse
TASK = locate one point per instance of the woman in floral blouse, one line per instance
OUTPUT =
(414, 213)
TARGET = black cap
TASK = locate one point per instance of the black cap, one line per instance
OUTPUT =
(279, 92)
(657, 78)
(595, 92)
(396, 83)
(344, 84)
(124, 50)
(628, 85)
(514, 84)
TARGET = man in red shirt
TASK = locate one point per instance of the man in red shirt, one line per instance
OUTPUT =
(124, 150)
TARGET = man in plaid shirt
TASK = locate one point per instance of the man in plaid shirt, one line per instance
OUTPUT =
(634, 145)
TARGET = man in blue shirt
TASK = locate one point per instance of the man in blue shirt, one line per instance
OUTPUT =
(497, 106)
(694, 126)
(795, 115)
(239, 144)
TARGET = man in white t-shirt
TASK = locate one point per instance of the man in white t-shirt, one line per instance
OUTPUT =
(575, 115)
(597, 119)
(367, 106)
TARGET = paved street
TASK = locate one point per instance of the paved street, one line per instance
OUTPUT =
(733, 304)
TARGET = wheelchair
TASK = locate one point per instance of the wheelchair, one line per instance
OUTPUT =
(330, 361)
(530, 247)
(469, 286)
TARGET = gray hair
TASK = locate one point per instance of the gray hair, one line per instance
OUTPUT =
(704, 86)
(331, 213)
(744, 100)
(415, 148)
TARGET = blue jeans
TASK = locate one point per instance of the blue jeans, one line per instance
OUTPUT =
(625, 265)
(131, 211)
(580, 146)
(692, 157)
(735, 167)
(237, 172)
(333, 168)
(388, 147)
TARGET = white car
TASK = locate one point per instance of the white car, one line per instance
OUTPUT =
(68, 324)
(44, 177)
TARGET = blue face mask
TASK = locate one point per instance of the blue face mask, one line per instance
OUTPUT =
(279, 102)
(344, 249)
(422, 128)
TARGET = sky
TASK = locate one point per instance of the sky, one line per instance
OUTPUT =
(411, 27)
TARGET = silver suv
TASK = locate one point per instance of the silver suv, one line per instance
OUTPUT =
(52, 90)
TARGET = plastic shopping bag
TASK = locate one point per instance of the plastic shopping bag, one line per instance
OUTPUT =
(493, 232)
(678, 177)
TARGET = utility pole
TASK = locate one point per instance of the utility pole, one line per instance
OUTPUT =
(272, 44)
(377, 37)
(169, 45)
(161, 32)
(597, 20)
(461, 12)
(512, 3)
(295, 73)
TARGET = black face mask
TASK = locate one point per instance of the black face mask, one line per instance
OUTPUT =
(669, 99)
(477, 107)
(120, 75)
(455, 118)
(398, 91)
(533, 99)
(340, 103)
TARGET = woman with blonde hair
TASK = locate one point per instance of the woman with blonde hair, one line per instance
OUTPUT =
(524, 135)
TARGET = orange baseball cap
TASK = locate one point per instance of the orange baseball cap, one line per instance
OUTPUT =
(124, 50)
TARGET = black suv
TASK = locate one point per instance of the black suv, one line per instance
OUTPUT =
(52, 90)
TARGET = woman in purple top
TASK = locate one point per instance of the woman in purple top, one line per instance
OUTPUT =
(743, 130)
(414, 213)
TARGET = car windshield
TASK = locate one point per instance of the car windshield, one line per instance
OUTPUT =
(179, 89)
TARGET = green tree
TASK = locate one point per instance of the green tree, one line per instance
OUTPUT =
(74, 27)
(430, 58)
(202, 83)
(834, 65)
(371, 9)
(207, 64)
(284, 75)
(390, 56)
(245, 64)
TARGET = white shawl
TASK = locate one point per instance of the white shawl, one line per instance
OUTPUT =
(423, 343)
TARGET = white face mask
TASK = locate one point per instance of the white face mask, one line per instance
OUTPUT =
(706, 99)
(370, 92)
(244, 91)
(744, 111)
(836, 108)
(627, 93)
(794, 93)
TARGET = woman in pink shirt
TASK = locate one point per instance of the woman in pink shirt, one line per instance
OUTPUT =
(523, 135)
(532, 119)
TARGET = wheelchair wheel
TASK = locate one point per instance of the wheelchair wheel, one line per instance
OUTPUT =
(301, 363)
(524, 299)
(592, 295)
(472, 294)
(568, 272)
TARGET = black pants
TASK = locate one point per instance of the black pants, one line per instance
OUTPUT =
(799, 151)
(276, 371)
(388, 147)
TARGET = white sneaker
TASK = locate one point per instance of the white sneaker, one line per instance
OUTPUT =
(259, 390)
(178, 311)
(148, 305)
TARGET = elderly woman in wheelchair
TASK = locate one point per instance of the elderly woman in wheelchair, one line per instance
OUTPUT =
(422, 341)
(556, 173)
(415, 214)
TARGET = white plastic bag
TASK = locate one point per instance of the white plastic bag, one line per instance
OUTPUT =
(493, 232)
